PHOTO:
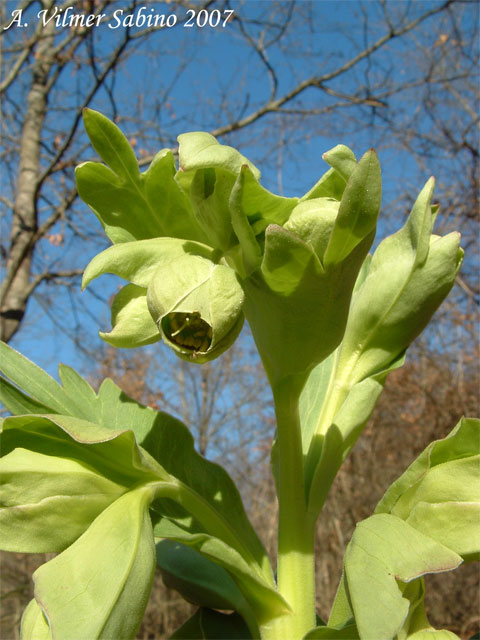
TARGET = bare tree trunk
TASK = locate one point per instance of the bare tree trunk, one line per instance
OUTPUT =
(15, 290)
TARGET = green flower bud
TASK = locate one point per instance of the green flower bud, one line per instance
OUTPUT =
(313, 222)
(197, 306)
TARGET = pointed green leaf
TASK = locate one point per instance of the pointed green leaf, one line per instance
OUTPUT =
(359, 209)
(398, 298)
(419, 225)
(112, 408)
(332, 183)
(133, 206)
(133, 325)
(168, 203)
(119, 411)
(117, 203)
(137, 261)
(111, 145)
(260, 206)
(342, 159)
(98, 588)
(81, 395)
(200, 150)
(38, 384)
(18, 402)
(206, 624)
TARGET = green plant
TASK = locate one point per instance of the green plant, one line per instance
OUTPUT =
(115, 487)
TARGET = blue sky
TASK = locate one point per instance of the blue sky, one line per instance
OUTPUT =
(321, 36)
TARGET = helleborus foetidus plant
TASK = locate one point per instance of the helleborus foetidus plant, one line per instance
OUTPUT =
(116, 488)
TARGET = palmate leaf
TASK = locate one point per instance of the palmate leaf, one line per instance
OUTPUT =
(114, 453)
(45, 392)
(72, 444)
(110, 407)
(59, 473)
(164, 437)
(427, 522)
(439, 494)
(105, 448)
(130, 205)
(171, 444)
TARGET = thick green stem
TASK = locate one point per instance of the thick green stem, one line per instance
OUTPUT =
(296, 564)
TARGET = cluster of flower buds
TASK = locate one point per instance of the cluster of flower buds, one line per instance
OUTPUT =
(206, 243)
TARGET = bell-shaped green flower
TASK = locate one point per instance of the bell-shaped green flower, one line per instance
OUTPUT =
(197, 306)
(178, 291)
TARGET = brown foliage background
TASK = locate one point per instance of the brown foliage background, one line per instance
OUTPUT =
(422, 402)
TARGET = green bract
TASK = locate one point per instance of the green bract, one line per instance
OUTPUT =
(114, 487)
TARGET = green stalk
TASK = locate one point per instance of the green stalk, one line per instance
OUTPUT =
(296, 528)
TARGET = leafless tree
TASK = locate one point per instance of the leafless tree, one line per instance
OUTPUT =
(50, 72)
